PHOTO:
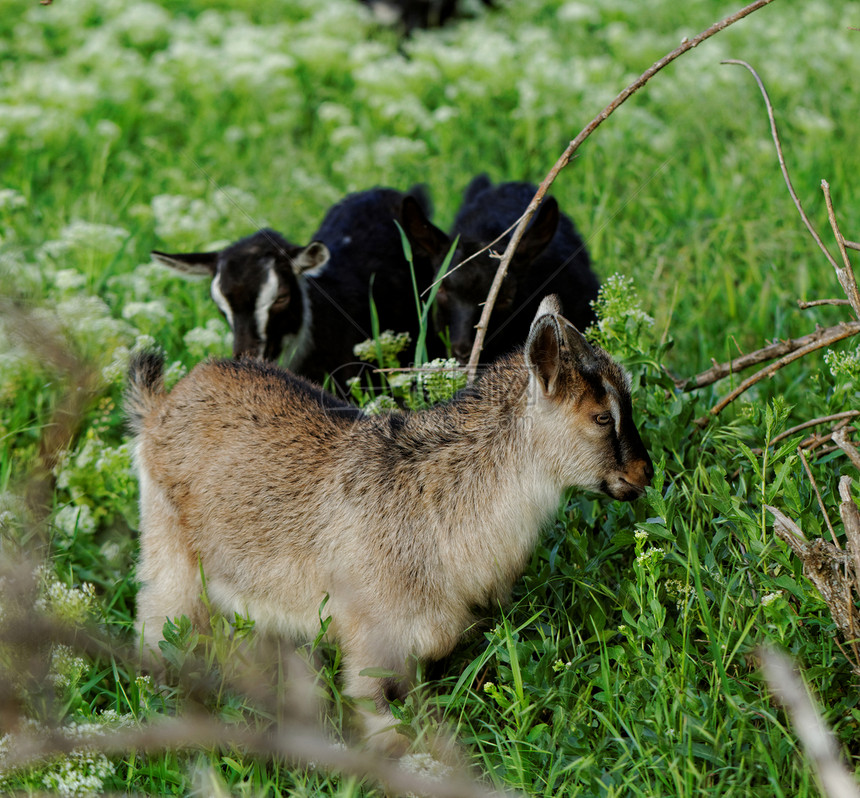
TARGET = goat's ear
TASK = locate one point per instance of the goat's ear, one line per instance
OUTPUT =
(313, 256)
(477, 186)
(195, 263)
(543, 351)
(421, 194)
(421, 231)
(541, 231)
(583, 352)
(549, 304)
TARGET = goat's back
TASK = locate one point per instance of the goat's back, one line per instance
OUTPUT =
(367, 259)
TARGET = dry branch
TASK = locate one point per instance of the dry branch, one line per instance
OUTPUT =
(824, 565)
(844, 273)
(840, 438)
(564, 159)
(818, 497)
(817, 340)
(843, 418)
(850, 520)
(818, 741)
(293, 741)
(803, 305)
(782, 166)
(776, 349)
(790, 350)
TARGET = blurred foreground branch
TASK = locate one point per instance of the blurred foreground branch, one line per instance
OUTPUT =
(818, 741)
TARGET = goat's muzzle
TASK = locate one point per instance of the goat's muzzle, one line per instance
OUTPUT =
(630, 483)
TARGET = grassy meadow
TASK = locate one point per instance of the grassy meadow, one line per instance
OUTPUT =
(625, 664)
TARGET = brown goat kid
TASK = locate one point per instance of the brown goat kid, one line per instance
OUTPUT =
(408, 522)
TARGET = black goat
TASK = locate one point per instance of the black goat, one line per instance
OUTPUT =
(314, 301)
(407, 15)
(551, 259)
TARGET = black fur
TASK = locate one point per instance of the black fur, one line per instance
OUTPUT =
(550, 259)
(411, 14)
(367, 256)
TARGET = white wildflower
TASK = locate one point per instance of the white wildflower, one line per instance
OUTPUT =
(178, 216)
(75, 519)
(382, 404)
(425, 766)
(579, 12)
(66, 667)
(11, 199)
(153, 312)
(653, 555)
(68, 280)
(108, 130)
(93, 236)
(69, 603)
(207, 340)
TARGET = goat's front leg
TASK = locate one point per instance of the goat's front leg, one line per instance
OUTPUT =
(374, 693)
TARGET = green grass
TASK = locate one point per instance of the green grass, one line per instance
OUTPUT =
(625, 664)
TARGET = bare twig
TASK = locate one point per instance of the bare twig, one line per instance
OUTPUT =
(782, 166)
(769, 352)
(851, 244)
(826, 567)
(818, 496)
(840, 438)
(845, 273)
(565, 157)
(818, 741)
(471, 257)
(295, 741)
(842, 417)
(829, 336)
(816, 302)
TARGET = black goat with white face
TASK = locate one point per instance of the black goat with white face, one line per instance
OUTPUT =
(255, 285)
(314, 302)
(551, 259)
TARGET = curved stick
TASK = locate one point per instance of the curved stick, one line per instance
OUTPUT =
(565, 157)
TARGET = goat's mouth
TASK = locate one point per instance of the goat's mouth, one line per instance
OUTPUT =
(622, 489)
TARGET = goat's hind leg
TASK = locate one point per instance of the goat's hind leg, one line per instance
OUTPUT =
(168, 570)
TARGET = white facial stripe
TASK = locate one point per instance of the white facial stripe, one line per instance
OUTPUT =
(614, 404)
(221, 300)
(268, 294)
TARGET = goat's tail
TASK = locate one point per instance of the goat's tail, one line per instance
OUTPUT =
(145, 387)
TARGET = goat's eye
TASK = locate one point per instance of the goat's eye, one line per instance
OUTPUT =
(603, 419)
(280, 302)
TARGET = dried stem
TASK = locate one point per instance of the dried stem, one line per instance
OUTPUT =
(828, 337)
(782, 166)
(816, 302)
(295, 741)
(840, 438)
(818, 496)
(845, 274)
(818, 742)
(769, 352)
(843, 417)
(565, 157)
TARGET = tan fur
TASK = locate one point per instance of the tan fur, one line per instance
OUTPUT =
(407, 522)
